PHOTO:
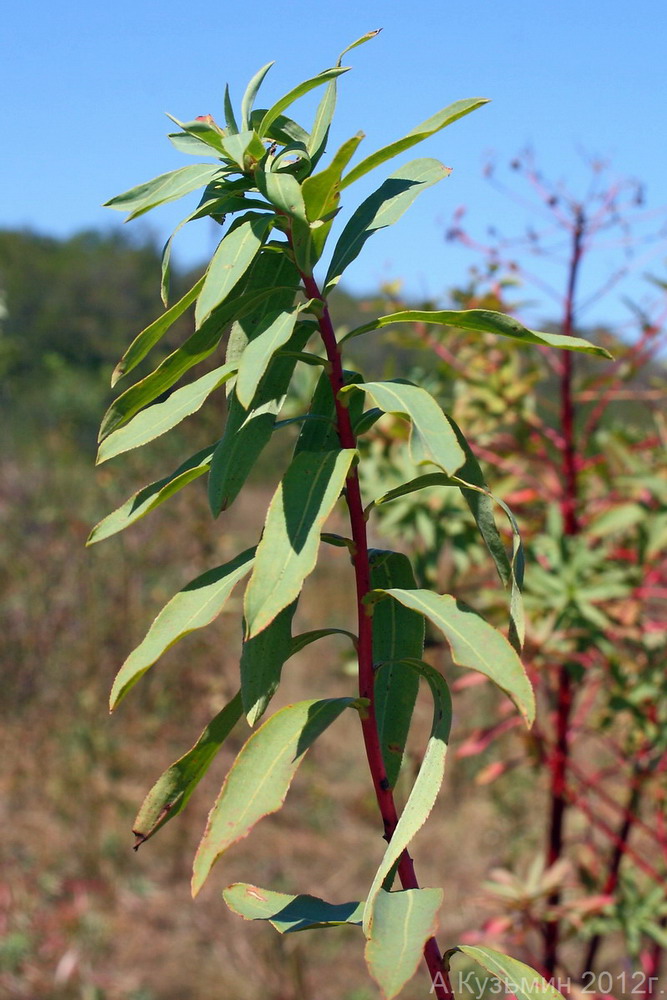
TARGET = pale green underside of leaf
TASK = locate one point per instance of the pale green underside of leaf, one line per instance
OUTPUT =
(166, 187)
(259, 779)
(287, 553)
(432, 439)
(427, 128)
(159, 418)
(516, 977)
(286, 913)
(303, 88)
(425, 789)
(197, 605)
(171, 792)
(383, 208)
(278, 329)
(482, 321)
(474, 644)
(262, 660)
(151, 496)
(229, 263)
(147, 339)
(402, 924)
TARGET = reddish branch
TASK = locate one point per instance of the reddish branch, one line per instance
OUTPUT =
(383, 793)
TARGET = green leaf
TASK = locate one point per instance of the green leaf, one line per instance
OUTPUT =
(205, 131)
(321, 192)
(149, 337)
(295, 93)
(277, 328)
(196, 348)
(287, 553)
(300, 642)
(398, 632)
(151, 496)
(283, 130)
(245, 149)
(197, 605)
(482, 321)
(262, 662)
(517, 978)
(617, 519)
(432, 439)
(166, 187)
(261, 775)
(229, 263)
(250, 94)
(474, 644)
(289, 914)
(319, 433)
(402, 924)
(383, 208)
(432, 125)
(171, 792)
(161, 417)
(425, 789)
(230, 119)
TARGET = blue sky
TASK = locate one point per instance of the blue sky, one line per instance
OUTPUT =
(86, 86)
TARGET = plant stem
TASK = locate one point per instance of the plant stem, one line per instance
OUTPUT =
(570, 527)
(383, 793)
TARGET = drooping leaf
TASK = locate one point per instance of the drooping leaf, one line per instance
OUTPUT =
(171, 792)
(398, 632)
(229, 263)
(250, 94)
(193, 607)
(300, 642)
(432, 439)
(383, 208)
(262, 660)
(474, 644)
(320, 433)
(516, 977)
(425, 789)
(287, 553)
(283, 130)
(482, 321)
(159, 418)
(432, 125)
(166, 187)
(402, 924)
(303, 88)
(147, 339)
(261, 775)
(151, 496)
(286, 913)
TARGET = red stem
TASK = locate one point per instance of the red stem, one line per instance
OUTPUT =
(383, 793)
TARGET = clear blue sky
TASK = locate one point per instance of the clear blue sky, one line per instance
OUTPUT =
(85, 87)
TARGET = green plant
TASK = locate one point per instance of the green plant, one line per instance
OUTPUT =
(261, 280)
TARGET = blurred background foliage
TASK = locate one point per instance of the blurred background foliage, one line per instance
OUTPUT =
(81, 917)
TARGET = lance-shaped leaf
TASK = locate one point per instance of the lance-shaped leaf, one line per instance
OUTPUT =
(474, 644)
(516, 977)
(381, 209)
(283, 130)
(284, 191)
(303, 88)
(196, 348)
(287, 552)
(262, 660)
(402, 924)
(320, 132)
(277, 328)
(166, 187)
(300, 642)
(197, 605)
(482, 321)
(161, 417)
(431, 436)
(171, 792)
(425, 789)
(250, 94)
(261, 775)
(398, 632)
(321, 194)
(151, 496)
(147, 339)
(229, 263)
(205, 130)
(319, 433)
(432, 125)
(286, 913)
